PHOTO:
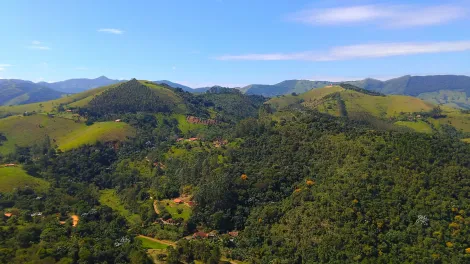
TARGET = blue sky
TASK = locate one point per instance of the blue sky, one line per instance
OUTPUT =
(232, 42)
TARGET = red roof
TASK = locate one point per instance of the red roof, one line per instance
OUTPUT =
(234, 233)
(193, 139)
(177, 200)
(8, 214)
(200, 234)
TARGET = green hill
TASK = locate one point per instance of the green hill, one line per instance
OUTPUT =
(357, 104)
(15, 92)
(64, 132)
(451, 90)
(12, 178)
(283, 88)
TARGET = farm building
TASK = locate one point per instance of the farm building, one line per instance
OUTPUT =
(200, 235)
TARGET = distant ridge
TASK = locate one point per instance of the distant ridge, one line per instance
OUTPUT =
(14, 92)
(79, 85)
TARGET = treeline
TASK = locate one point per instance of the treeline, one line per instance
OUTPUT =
(129, 97)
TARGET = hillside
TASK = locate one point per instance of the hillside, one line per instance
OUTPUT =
(175, 85)
(79, 85)
(65, 133)
(283, 88)
(327, 176)
(451, 90)
(404, 111)
(15, 92)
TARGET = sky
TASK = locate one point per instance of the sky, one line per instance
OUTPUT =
(232, 42)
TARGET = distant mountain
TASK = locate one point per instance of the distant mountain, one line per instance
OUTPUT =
(79, 85)
(283, 88)
(175, 85)
(14, 92)
(451, 90)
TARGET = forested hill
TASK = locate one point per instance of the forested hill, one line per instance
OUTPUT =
(14, 92)
(295, 186)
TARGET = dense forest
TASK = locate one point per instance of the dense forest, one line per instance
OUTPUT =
(293, 186)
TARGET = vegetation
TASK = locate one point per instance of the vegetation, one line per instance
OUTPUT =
(13, 178)
(334, 175)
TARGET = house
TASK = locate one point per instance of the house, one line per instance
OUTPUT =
(233, 233)
(178, 201)
(193, 139)
(68, 110)
(117, 120)
(200, 235)
(8, 214)
(10, 165)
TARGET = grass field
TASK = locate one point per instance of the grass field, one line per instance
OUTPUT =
(16, 177)
(173, 209)
(419, 126)
(102, 131)
(109, 197)
(67, 134)
(151, 244)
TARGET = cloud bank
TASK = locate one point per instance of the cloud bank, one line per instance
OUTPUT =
(357, 52)
(381, 15)
(111, 31)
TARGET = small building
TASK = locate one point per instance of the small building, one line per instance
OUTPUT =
(8, 214)
(179, 139)
(10, 165)
(117, 120)
(178, 201)
(193, 139)
(68, 110)
(233, 233)
(200, 235)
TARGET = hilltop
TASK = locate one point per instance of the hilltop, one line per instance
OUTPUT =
(79, 85)
(450, 90)
(387, 111)
(14, 92)
(282, 88)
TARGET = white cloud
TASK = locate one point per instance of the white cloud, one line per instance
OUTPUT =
(111, 30)
(4, 66)
(382, 15)
(359, 51)
(39, 47)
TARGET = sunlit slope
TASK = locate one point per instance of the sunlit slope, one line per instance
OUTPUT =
(12, 178)
(80, 99)
(338, 101)
(65, 133)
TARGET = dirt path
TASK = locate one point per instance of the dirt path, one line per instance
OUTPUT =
(166, 242)
(75, 220)
(155, 207)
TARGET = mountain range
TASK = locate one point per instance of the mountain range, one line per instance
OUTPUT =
(451, 90)
(13, 92)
